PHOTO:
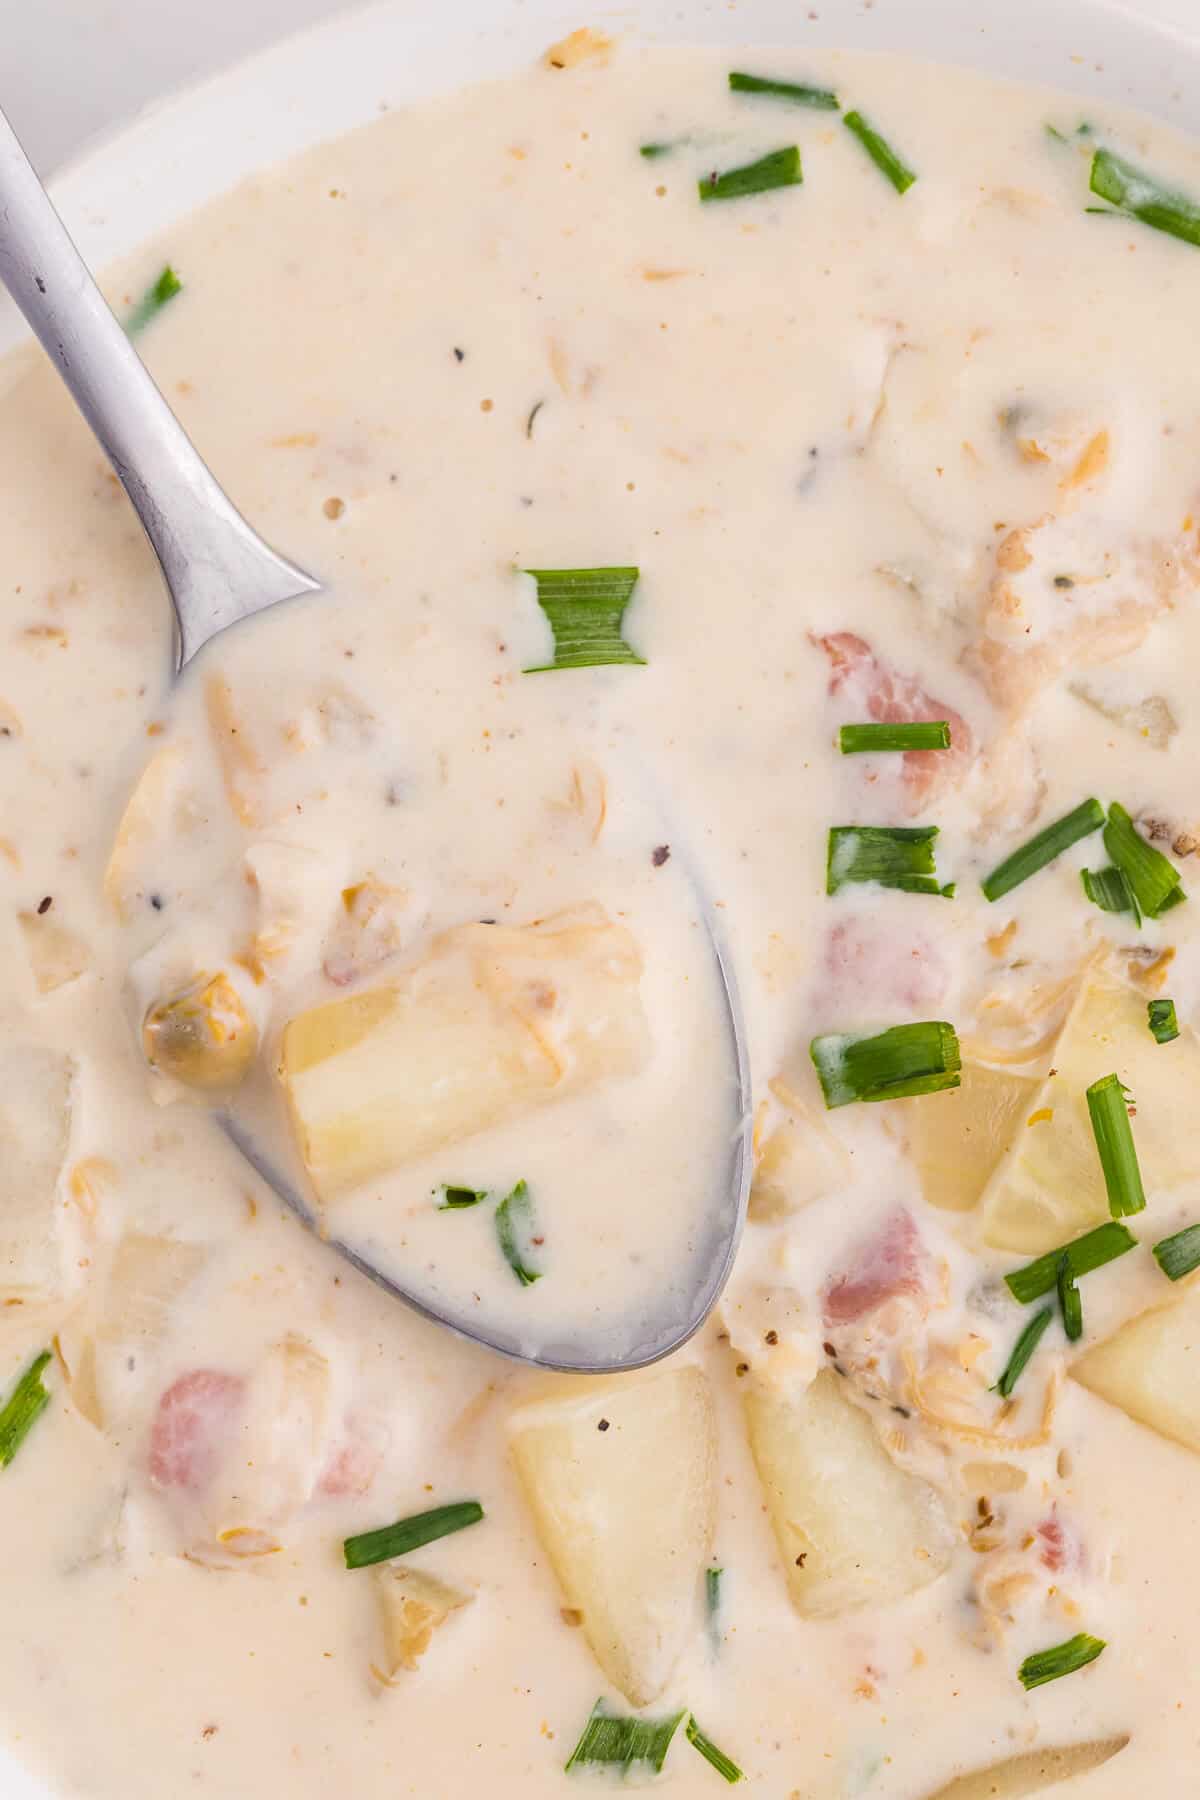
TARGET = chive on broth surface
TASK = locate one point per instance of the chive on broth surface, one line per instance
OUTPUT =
(794, 443)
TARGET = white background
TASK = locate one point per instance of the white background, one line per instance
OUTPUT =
(72, 68)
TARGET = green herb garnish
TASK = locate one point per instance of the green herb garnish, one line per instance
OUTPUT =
(1043, 849)
(724, 1765)
(905, 1060)
(610, 1738)
(1156, 884)
(1114, 1143)
(651, 150)
(1179, 1254)
(456, 1199)
(1109, 890)
(585, 608)
(778, 170)
(923, 734)
(1162, 1021)
(1141, 196)
(514, 1221)
(799, 93)
(880, 152)
(1063, 1659)
(153, 301)
(896, 856)
(1022, 1350)
(1082, 1255)
(409, 1534)
(1070, 1304)
(23, 1408)
(712, 1591)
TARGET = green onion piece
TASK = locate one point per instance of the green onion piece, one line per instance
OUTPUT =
(514, 1220)
(609, 1738)
(153, 301)
(1140, 195)
(896, 856)
(1070, 1304)
(1178, 1255)
(712, 1591)
(23, 1408)
(585, 608)
(1162, 1020)
(650, 150)
(778, 170)
(1109, 890)
(1022, 1350)
(1043, 849)
(1155, 881)
(923, 734)
(799, 93)
(1082, 130)
(1083, 1254)
(1114, 1142)
(905, 1060)
(880, 152)
(409, 1534)
(1063, 1659)
(724, 1765)
(455, 1199)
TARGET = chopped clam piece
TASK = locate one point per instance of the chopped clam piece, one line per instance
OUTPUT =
(144, 824)
(1151, 719)
(106, 1358)
(412, 1606)
(1031, 1772)
(494, 1021)
(956, 1138)
(40, 1230)
(296, 892)
(854, 1529)
(1150, 1368)
(620, 1478)
(280, 1449)
(203, 1036)
(57, 955)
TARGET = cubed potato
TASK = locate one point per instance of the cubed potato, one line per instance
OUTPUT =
(1051, 1186)
(412, 1606)
(1150, 1368)
(1031, 1772)
(956, 1138)
(620, 1478)
(275, 1458)
(296, 890)
(108, 1355)
(57, 955)
(797, 1161)
(146, 820)
(854, 1529)
(41, 1239)
(493, 1021)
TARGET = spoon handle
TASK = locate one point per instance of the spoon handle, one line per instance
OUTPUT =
(217, 569)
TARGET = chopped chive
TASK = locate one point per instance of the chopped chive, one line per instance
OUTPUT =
(1114, 1143)
(896, 856)
(922, 734)
(880, 152)
(1109, 890)
(409, 1534)
(1022, 1350)
(1155, 882)
(905, 1060)
(1083, 1254)
(1162, 1021)
(1070, 1304)
(724, 1765)
(712, 1591)
(799, 93)
(1082, 130)
(609, 1738)
(1142, 197)
(455, 1199)
(153, 301)
(1062, 1659)
(650, 150)
(23, 1408)
(1179, 1254)
(1043, 849)
(514, 1219)
(778, 170)
(585, 608)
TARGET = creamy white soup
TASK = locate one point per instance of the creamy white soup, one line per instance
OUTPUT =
(847, 411)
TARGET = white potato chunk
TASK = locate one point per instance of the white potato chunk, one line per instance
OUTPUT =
(412, 1606)
(1051, 1187)
(1031, 1772)
(108, 1355)
(956, 1138)
(1150, 1368)
(57, 955)
(620, 1478)
(854, 1530)
(147, 818)
(276, 1455)
(41, 1241)
(494, 1020)
(296, 890)
(796, 1161)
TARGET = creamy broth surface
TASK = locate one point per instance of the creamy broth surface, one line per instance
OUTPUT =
(876, 457)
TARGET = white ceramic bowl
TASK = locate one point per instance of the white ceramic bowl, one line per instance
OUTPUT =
(193, 146)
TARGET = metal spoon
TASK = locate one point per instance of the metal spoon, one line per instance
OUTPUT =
(218, 572)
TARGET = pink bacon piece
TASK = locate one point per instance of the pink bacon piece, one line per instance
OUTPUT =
(195, 1418)
(887, 1265)
(869, 970)
(876, 692)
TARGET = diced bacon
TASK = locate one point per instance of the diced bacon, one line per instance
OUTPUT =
(195, 1417)
(353, 1463)
(873, 691)
(885, 1266)
(872, 968)
(1058, 1547)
